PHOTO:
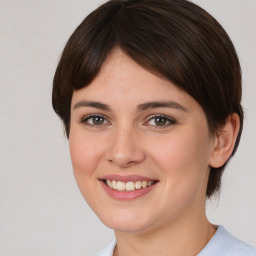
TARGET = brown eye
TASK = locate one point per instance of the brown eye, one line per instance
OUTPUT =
(95, 120)
(159, 121)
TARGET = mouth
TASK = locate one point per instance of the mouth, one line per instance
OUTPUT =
(129, 186)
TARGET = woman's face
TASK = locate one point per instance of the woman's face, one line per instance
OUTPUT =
(147, 139)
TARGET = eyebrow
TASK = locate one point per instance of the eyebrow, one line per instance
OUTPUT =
(93, 104)
(161, 104)
(141, 107)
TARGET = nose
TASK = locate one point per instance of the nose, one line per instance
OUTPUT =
(125, 148)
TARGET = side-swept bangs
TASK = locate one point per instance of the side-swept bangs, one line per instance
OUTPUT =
(174, 39)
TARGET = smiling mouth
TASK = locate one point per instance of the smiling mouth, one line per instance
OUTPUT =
(128, 186)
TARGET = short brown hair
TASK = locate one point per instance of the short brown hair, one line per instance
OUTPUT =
(175, 39)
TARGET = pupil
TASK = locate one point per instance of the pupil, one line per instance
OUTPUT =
(98, 120)
(160, 121)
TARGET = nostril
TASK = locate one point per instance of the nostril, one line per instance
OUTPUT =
(124, 149)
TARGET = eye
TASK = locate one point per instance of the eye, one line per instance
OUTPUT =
(160, 121)
(95, 120)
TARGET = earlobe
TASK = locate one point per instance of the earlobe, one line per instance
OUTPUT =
(224, 141)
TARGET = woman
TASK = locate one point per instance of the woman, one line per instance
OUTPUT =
(149, 93)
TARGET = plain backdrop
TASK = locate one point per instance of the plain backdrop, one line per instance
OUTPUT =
(41, 210)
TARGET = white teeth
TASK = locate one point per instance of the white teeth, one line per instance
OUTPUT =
(150, 183)
(114, 184)
(144, 184)
(138, 184)
(120, 186)
(109, 183)
(128, 186)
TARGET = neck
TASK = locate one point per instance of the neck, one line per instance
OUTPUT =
(179, 238)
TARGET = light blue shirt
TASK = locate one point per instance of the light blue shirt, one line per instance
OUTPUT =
(221, 244)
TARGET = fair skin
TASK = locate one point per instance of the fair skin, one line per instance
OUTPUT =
(131, 125)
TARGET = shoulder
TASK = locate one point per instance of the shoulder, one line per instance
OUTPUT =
(223, 243)
(107, 251)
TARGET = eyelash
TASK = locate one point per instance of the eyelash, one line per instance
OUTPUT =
(170, 121)
(164, 118)
(87, 118)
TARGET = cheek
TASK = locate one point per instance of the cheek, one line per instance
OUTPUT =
(183, 159)
(180, 150)
(86, 153)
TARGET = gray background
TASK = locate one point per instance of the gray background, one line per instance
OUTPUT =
(41, 209)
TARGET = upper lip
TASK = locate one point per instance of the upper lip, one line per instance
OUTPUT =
(126, 178)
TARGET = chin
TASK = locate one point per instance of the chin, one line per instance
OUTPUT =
(131, 222)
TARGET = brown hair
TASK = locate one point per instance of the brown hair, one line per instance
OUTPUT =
(175, 39)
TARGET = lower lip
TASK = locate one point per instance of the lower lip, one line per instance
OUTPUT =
(124, 195)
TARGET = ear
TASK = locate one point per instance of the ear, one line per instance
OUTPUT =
(224, 141)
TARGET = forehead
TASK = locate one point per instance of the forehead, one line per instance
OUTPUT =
(119, 67)
(122, 78)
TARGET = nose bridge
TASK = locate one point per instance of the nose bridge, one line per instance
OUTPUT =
(124, 147)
